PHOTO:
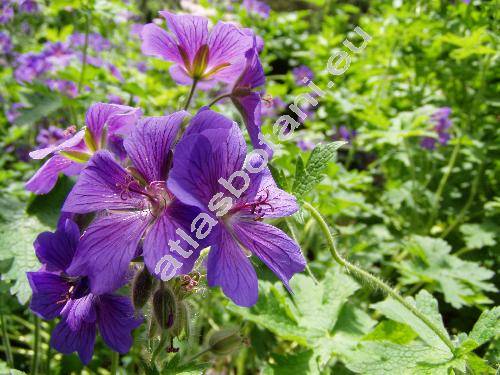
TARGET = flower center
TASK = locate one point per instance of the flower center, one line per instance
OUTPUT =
(156, 194)
(255, 208)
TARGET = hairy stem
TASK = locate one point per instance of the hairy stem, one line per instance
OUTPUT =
(371, 280)
(6, 342)
(217, 99)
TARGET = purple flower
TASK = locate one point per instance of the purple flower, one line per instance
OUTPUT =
(213, 150)
(6, 12)
(5, 43)
(442, 123)
(114, 99)
(257, 7)
(142, 66)
(115, 72)
(58, 55)
(53, 136)
(13, 112)
(67, 88)
(134, 202)
(70, 156)
(30, 66)
(56, 294)
(28, 6)
(272, 106)
(136, 29)
(305, 145)
(343, 133)
(302, 72)
(248, 100)
(95, 41)
(207, 57)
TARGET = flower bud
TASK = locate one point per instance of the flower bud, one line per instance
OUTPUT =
(225, 341)
(165, 307)
(181, 321)
(142, 286)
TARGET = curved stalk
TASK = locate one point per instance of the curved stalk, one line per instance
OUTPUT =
(191, 93)
(85, 50)
(223, 96)
(6, 342)
(36, 348)
(371, 280)
(115, 359)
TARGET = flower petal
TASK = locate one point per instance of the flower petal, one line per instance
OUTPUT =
(80, 311)
(106, 249)
(56, 250)
(70, 143)
(156, 243)
(119, 118)
(191, 31)
(229, 268)
(201, 160)
(157, 42)
(206, 119)
(49, 292)
(278, 251)
(116, 321)
(45, 178)
(150, 142)
(227, 45)
(102, 185)
(66, 340)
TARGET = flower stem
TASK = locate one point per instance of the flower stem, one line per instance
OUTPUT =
(36, 347)
(85, 49)
(115, 359)
(6, 342)
(191, 93)
(371, 280)
(223, 96)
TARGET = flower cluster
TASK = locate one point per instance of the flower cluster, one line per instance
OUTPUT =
(442, 123)
(160, 190)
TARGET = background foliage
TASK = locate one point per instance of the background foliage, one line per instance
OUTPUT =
(426, 221)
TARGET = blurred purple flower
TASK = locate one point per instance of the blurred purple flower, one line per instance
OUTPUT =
(67, 88)
(272, 106)
(142, 66)
(6, 12)
(257, 7)
(114, 99)
(5, 43)
(53, 136)
(428, 143)
(13, 112)
(136, 29)
(343, 133)
(58, 55)
(95, 41)
(442, 123)
(30, 66)
(301, 72)
(305, 145)
(28, 6)
(115, 72)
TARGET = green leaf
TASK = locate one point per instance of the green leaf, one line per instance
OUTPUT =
(18, 230)
(487, 326)
(387, 358)
(292, 364)
(426, 304)
(392, 331)
(460, 281)
(309, 176)
(42, 105)
(6, 370)
(477, 236)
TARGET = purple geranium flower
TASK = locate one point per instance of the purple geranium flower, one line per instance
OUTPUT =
(65, 87)
(30, 66)
(302, 72)
(6, 12)
(53, 136)
(343, 133)
(55, 294)
(257, 7)
(213, 149)
(248, 101)
(28, 6)
(197, 54)
(272, 106)
(305, 144)
(95, 41)
(442, 123)
(115, 72)
(70, 156)
(136, 203)
(13, 112)
(58, 55)
(5, 43)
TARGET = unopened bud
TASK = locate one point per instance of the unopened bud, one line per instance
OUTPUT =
(225, 341)
(181, 320)
(164, 307)
(142, 286)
